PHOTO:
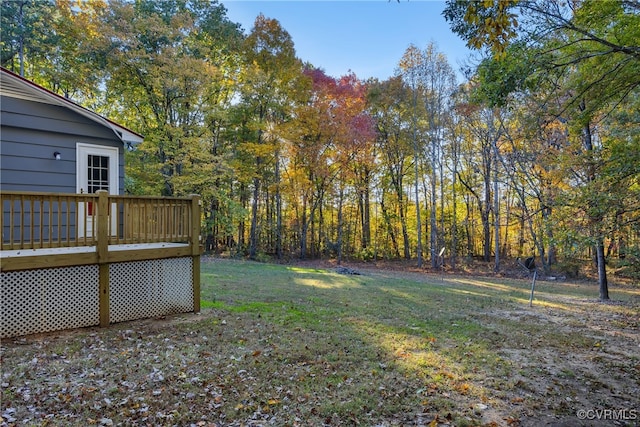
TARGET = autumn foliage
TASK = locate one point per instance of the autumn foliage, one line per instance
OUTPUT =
(536, 154)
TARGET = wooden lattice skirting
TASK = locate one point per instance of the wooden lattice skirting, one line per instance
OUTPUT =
(49, 299)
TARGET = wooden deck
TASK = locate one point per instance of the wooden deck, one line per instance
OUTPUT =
(123, 239)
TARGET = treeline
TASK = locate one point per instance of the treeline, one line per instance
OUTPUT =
(538, 153)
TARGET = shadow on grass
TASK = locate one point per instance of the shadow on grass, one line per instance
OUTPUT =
(414, 349)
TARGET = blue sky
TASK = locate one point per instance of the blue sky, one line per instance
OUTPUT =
(367, 37)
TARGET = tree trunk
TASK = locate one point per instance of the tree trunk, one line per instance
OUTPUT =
(441, 232)
(602, 270)
(304, 226)
(213, 220)
(548, 229)
(390, 231)
(278, 209)
(405, 232)
(340, 221)
(366, 219)
(253, 232)
(241, 224)
(506, 246)
(521, 234)
(496, 217)
(485, 210)
(433, 233)
(486, 233)
(595, 220)
(454, 219)
(469, 229)
(418, 220)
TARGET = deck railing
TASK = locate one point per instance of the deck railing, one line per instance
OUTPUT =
(33, 220)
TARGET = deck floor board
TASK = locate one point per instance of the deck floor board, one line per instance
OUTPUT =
(87, 249)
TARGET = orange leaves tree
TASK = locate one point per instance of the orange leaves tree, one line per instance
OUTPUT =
(329, 147)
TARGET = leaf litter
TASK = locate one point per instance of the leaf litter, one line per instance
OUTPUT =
(249, 368)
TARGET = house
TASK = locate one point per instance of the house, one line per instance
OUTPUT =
(76, 251)
(50, 143)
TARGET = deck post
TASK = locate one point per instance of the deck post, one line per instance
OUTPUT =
(102, 247)
(195, 250)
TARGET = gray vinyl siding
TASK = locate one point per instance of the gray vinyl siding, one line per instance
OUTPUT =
(31, 132)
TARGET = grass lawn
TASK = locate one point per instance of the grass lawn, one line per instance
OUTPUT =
(298, 346)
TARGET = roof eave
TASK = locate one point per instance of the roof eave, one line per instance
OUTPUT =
(127, 136)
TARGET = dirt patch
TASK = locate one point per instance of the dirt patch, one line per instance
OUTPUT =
(594, 374)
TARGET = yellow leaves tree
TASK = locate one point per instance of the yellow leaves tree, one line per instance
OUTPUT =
(271, 74)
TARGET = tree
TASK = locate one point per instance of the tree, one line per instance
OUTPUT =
(564, 35)
(26, 31)
(271, 72)
(410, 66)
(354, 135)
(159, 68)
(391, 107)
(589, 53)
(542, 140)
(488, 24)
(45, 41)
(437, 82)
(309, 143)
(168, 68)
